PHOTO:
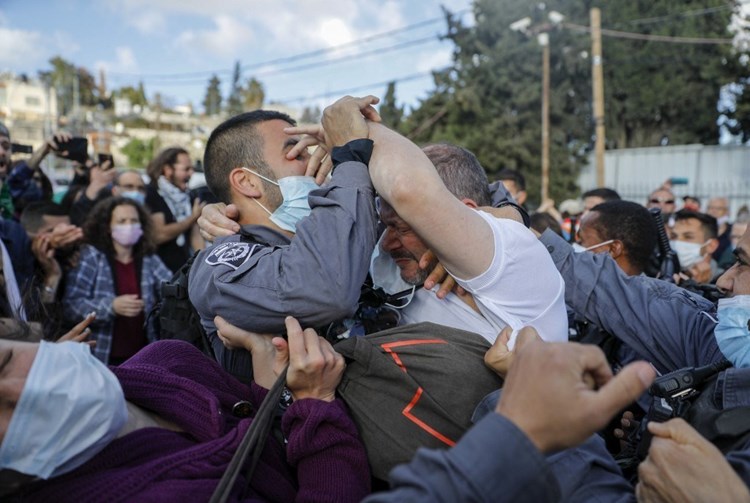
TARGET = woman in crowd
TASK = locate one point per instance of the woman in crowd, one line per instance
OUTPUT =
(118, 277)
(164, 425)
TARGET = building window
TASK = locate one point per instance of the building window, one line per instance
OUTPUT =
(33, 101)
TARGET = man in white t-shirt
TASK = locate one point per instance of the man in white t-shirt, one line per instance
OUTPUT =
(508, 275)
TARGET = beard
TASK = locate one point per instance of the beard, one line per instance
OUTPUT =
(419, 275)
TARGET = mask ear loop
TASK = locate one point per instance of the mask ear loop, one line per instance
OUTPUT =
(410, 295)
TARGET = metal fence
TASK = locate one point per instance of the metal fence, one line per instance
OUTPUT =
(710, 171)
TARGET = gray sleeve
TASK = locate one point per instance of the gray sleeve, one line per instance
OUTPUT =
(493, 462)
(316, 278)
(501, 197)
(664, 323)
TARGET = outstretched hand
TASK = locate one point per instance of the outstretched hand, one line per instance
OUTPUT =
(559, 394)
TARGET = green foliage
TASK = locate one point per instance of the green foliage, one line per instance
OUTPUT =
(62, 78)
(136, 96)
(234, 102)
(489, 100)
(390, 112)
(212, 101)
(310, 115)
(139, 153)
(253, 94)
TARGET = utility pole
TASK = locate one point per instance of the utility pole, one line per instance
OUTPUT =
(542, 33)
(598, 85)
(543, 39)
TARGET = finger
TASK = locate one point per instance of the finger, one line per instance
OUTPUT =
(524, 338)
(315, 163)
(436, 275)
(426, 259)
(301, 146)
(366, 101)
(311, 129)
(676, 429)
(371, 114)
(282, 353)
(312, 344)
(446, 286)
(325, 168)
(624, 388)
(296, 342)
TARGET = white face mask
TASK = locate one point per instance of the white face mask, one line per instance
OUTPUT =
(689, 254)
(70, 408)
(722, 220)
(580, 249)
(385, 273)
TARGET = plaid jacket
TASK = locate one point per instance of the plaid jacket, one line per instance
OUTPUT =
(90, 287)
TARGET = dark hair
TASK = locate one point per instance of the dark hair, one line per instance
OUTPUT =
(234, 143)
(605, 193)
(514, 176)
(32, 217)
(460, 171)
(167, 157)
(708, 223)
(540, 222)
(97, 233)
(630, 223)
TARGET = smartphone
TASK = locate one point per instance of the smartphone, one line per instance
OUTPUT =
(21, 149)
(106, 157)
(76, 148)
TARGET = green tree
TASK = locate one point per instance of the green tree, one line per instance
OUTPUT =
(489, 100)
(138, 152)
(212, 101)
(63, 77)
(136, 96)
(390, 112)
(253, 94)
(234, 102)
(310, 115)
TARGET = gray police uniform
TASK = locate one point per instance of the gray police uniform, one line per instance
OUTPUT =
(665, 324)
(257, 278)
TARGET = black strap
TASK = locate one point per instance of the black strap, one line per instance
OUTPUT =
(254, 440)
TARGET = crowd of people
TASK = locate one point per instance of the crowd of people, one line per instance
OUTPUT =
(620, 331)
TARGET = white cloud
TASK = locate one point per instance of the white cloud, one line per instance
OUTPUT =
(124, 62)
(226, 39)
(20, 48)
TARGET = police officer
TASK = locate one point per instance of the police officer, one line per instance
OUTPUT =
(291, 257)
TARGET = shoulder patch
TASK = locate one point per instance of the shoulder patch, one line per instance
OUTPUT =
(230, 254)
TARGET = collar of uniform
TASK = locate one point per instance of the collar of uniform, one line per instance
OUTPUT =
(264, 235)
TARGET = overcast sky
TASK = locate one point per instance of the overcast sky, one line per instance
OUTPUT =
(173, 45)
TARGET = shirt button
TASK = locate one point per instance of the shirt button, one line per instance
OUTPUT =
(242, 409)
(550, 248)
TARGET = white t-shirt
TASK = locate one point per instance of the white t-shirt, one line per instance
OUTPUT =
(522, 286)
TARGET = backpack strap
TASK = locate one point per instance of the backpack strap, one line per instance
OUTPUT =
(254, 440)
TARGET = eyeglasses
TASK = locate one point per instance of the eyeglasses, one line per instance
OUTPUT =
(665, 201)
(139, 188)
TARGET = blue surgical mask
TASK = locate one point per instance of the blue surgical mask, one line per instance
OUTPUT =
(135, 195)
(294, 207)
(732, 333)
(70, 408)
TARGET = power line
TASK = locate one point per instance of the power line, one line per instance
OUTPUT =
(320, 64)
(352, 90)
(687, 13)
(287, 59)
(652, 38)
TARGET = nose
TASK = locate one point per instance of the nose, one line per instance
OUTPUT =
(390, 241)
(726, 280)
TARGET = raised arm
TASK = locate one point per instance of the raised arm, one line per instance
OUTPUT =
(404, 176)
